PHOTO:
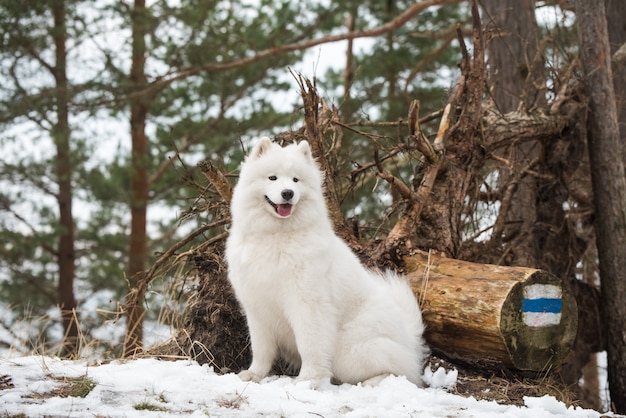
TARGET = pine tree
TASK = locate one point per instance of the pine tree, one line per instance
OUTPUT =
(30, 44)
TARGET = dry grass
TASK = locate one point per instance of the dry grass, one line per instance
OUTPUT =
(233, 403)
(147, 406)
(78, 387)
(6, 382)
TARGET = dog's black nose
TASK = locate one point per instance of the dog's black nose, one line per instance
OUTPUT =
(287, 194)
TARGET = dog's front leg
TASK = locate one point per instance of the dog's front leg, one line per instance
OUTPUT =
(264, 350)
(315, 333)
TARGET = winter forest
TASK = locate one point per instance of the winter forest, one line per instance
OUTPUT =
(455, 136)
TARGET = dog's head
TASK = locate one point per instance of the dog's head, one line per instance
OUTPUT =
(282, 177)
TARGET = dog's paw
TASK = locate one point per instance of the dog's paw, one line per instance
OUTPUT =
(315, 382)
(248, 376)
(375, 381)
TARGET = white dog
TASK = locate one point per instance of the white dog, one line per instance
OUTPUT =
(305, 295)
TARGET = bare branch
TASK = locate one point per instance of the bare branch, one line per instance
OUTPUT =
(619, 57)
(348, 72)
(394, 181)
(415, 133)
(217, 179)
(403, 228)
(146, 277)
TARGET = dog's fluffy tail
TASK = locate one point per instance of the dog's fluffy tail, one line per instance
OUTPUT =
(405, 298)
(403, 295)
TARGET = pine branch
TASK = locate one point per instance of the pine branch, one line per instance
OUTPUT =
(165, 80)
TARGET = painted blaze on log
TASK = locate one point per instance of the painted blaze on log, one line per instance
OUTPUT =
(521, 317)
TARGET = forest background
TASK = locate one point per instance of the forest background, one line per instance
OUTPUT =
(107, 107)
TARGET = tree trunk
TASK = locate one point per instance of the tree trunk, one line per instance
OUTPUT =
(609, 187)
(138, 182)
(616, 10)
(61, 135)
(514, 74)
(532, 222)
(521, 318)
(514, 70)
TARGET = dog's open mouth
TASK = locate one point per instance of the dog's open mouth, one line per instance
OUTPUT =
(282, 209)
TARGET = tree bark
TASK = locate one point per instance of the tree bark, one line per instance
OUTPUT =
(440, 222)
(61, 135)
(519, 317)
(514, 70)
(514, 75)
(616, 10)
(139, 186)
(609, 187)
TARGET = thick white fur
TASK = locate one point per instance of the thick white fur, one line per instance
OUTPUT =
(305, 295)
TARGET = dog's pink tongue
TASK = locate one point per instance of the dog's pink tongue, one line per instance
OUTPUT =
(284, 209)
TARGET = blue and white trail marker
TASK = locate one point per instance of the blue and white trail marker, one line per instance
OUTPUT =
(541, 306)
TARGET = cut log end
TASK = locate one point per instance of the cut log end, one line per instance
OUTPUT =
(538, 322)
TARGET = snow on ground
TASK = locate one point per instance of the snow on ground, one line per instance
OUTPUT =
(153, 388)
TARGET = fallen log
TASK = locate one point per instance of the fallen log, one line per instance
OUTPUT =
(522, 318)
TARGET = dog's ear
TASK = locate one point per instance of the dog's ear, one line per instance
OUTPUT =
(261, 148)
(305, 149)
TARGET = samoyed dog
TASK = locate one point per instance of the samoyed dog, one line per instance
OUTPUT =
(305, 295)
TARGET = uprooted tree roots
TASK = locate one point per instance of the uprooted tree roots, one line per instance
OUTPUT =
(214, 330)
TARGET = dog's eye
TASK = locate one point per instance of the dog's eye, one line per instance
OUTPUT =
(273, 178)
(296, 179)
